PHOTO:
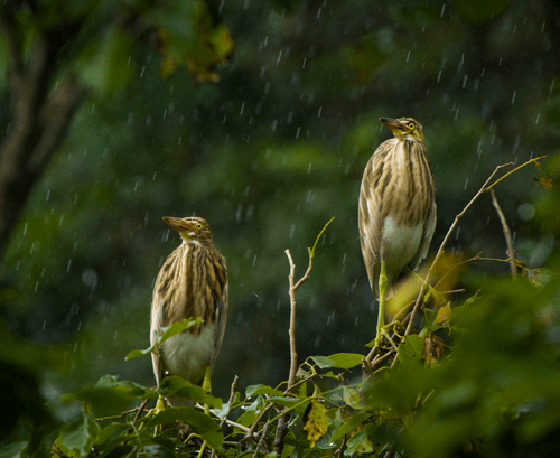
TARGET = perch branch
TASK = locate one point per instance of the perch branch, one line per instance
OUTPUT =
(485, 188)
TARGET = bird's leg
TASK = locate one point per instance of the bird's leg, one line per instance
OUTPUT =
(383, 283)
(160, 407)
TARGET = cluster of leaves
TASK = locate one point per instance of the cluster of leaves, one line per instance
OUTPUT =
(484, 383)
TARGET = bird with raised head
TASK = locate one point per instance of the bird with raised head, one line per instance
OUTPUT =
(192, 283)
(396, 208)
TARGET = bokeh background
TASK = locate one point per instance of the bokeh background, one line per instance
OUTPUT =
(268, 154)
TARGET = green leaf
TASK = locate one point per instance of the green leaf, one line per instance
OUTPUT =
(198, 421)
(346, 360)
(110, 396)
(410, 351)
(14, 450)
(350, 424)
(253, 390)
(180, 387)
(323, 361)
(78, 436)
(173, 330)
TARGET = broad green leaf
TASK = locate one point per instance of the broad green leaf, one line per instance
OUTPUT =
(78, 436)
(346, 360)
(110, 396)
(198, 421)
(180, 387)
(410, 351)
(14, 450)
(173, 330)
(253, 390)
(323, 361)
(350, 424)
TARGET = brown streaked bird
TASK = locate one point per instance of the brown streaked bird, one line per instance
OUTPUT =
(191, 283)
(397, 206)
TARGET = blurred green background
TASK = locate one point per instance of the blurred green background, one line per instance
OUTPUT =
(268, 155)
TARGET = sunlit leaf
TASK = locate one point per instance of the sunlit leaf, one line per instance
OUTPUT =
(346, 360)
(323, 361)
(316, 423)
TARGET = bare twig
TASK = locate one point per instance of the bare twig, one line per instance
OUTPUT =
(141, 407)
(507, 234)
(283, 421)
(259, 445)
(231, 397)
(485, 188)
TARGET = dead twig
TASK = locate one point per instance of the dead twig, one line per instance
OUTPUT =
(485, 188)
(283, 422)
(507, 234)
(231, 397)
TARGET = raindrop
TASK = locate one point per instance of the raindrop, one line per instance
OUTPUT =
(304, 62)
(465, 81)
(537, 118)
(279, 57)
(68, 265)
(292, 230)
(89, 278)
(319, 113)
(242, 108)
(408, 56)
(274, 125)
(513, 97)
(526, 211)
(439, 74)
(458, 232)
(442, 10)
(254, 260)
(142, 72)
(48, 194)
(466, 182)
(297, 136)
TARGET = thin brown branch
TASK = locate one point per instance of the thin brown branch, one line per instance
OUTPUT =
(507, 234)
(512, 171)
(260, 443)
(231, 397)
(282, 428)
(481, 191)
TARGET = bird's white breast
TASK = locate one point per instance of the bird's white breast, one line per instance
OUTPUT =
(188, 355)
(401, 242)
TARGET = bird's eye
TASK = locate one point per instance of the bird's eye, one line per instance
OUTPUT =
(411, 125)
(198, 226)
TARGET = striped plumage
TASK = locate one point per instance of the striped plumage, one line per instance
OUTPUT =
(191, 283)
(397, 206)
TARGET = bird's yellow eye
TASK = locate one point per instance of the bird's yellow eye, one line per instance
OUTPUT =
(410, 126)
(198, 226)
